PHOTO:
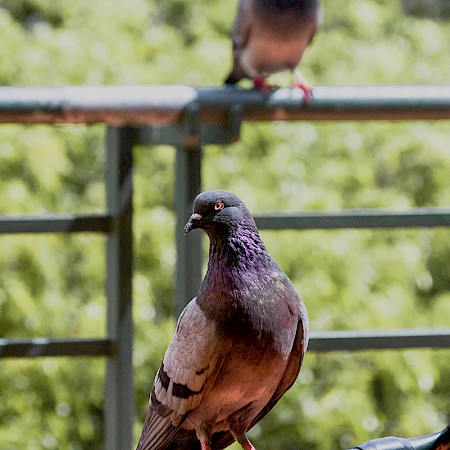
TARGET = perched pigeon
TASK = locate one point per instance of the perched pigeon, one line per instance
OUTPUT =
(271, 36)
(238, 345)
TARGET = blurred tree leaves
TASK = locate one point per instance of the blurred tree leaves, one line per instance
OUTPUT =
(54, 285)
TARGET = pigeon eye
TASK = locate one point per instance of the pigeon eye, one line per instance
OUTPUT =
(218, 206)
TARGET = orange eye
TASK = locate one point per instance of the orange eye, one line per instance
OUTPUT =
(218, 206)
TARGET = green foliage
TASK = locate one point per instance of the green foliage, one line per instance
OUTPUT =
(54, 285)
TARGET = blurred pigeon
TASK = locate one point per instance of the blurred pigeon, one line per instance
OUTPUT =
(238, 345)
(271, 36)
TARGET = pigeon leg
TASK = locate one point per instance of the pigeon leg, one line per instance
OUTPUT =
(301, 83)
(204, 437)
(243, 441)
(205, 444)
(247, 445)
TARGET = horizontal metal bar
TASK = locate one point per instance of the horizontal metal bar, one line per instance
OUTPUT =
(420, 217)
(379, 340)
(40, 347)
(163, 105)
(61, 223)
(319, 342)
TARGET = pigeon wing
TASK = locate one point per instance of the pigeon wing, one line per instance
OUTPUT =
(242, 25)
(294, 365)
(192, 358)
(240, 36)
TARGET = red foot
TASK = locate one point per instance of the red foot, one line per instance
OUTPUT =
(205, 444)
(307, 91)
(261, 85)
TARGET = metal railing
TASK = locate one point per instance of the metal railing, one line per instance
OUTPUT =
(189, 118)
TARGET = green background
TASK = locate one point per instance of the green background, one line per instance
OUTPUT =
(53, 285)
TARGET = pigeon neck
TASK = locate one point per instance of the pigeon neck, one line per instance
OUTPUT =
(235, 258)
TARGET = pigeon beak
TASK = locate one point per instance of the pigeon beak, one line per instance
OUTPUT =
(192, 223)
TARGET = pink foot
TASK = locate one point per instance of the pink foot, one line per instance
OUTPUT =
(205, 444)
(261, 85)
(307, 91)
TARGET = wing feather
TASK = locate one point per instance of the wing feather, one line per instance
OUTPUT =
(242, 29)
(192, 356)
(242, 25)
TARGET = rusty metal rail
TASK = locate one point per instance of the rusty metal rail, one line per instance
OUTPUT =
(165, 105)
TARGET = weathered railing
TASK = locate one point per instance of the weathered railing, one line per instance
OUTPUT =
(189, 118)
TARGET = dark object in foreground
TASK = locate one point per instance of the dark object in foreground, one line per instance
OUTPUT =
(431, 9)
(238, 346)
(436, 441)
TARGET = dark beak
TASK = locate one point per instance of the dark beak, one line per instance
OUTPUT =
(193, 222)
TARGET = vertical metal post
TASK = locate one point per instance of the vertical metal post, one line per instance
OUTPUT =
(188, 184)
(119, 401)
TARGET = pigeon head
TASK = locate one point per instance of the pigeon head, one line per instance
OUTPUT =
(218, 212)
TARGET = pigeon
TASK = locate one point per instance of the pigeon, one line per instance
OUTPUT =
(238, 345)
(271, 36)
